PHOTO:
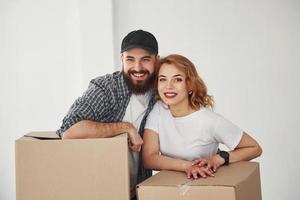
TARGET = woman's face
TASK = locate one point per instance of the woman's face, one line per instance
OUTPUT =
(172, 87)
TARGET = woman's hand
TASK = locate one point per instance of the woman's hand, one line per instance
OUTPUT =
(212, 163)
(196, 171)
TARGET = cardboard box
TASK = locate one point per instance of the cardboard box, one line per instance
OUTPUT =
(239, 181)
(48, 168)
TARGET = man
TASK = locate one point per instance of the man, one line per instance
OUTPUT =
(119, 102)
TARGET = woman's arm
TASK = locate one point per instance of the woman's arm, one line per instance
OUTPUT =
(154, 160)
(246, 150)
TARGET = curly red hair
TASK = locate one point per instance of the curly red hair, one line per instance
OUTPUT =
(198, 96)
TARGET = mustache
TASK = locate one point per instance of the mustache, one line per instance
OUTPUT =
(143, 71)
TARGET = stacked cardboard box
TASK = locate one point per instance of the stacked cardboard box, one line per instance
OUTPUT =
(239, 181)
(48, 168)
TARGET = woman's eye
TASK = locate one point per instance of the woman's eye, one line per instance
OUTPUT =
(178, 79)
(161, 79)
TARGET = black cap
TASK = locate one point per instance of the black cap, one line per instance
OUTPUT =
(140, 39)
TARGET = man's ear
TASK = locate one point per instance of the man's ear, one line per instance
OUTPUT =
(156, 60)
(121, 57)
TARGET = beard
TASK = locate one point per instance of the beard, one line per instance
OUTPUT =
(139, 86)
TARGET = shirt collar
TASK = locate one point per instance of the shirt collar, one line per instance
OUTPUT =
(122, 86)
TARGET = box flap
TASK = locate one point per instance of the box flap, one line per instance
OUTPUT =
(46, 135)
(230, 175)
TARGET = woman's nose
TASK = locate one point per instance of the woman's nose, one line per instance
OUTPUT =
(169, 84)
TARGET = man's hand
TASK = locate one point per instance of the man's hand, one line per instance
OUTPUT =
(134, 141)
(212, 163)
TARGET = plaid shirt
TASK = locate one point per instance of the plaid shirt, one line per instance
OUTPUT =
(105, 100)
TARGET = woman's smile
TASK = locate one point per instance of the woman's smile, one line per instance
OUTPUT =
(170, 95)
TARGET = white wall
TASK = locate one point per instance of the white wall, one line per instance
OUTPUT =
(248, 52)
(96, 28)
(49, 51)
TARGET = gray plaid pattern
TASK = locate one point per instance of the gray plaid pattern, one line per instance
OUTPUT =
(105, 100)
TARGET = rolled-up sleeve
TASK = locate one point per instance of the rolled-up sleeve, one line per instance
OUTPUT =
(92, 105)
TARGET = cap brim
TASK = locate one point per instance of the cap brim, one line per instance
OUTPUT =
(140, 46)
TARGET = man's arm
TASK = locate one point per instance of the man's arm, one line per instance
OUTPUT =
(92, 129)
(82, 119)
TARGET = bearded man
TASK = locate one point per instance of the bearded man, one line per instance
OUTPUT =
(119, 102)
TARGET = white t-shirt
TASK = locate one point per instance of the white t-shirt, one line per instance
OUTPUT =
(134, 114)
(194, 136)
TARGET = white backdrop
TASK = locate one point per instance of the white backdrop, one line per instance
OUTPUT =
(49, 51)
(246, 51)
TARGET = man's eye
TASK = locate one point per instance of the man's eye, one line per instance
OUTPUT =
(129, 59)
(146, 59)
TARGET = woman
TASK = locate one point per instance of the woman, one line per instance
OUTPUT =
(182, 133)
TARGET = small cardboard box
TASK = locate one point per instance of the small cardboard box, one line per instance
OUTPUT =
(238, 181)
(48, 168)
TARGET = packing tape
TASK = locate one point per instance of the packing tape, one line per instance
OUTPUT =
(184, 188)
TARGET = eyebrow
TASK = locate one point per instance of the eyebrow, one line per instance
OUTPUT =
(129, 56)
(140, 58)
(177, 75)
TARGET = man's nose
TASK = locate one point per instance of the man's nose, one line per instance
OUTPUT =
(137, 66)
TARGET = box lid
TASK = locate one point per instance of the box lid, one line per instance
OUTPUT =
(43, 135)
(51, 135)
